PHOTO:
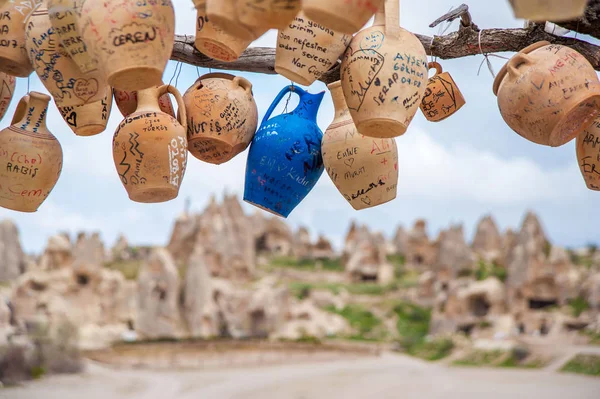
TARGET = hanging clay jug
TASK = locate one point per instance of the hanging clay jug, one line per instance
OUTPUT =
(13, 55)
(442, 97)
(64, 17)
(58, 72)
(127, 102)
(384, 76)
(284, 161)
(306, 50)
(346, 16)
(132, 40)
(223, 13)
(267, 14)
(221, 117)
(7, 89)
(588, 155)
(33, 156)
(548, 93)
(150, 148)
(214, 42)
(548, 10)
(364, 169)
(89, 119)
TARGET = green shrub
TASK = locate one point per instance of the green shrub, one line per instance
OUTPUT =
(359, 318)
(333, 265)
(579, 305)
(432, 350)
(129, 268)
(486, 270)
(584, 364)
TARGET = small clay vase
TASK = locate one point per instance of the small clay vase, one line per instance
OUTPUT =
(223, 13)
(442, 97)
(7, 89)
(384, 74)
(58, 72)
(306, 50)
(214, 42)
(127, 102)
(33, 156)
(588, 155)
(89, 119)
(346, 16)
(363, 169)
(267, 14)
(132, 40)
(548, 10)
(548, 93)
(64, 17)
(150, 148)
(221, 117)
(13, 55)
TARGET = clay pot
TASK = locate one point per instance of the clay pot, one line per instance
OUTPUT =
(306, 50)
(442, 97)
(548, 10)
(214, 42)
(364, 169)
(132, 40)
(127, 102)
(267, 14)
(89, 119)
(7, 89)
(150, 148)
(64, 17)
(285, 161)
(346, 16)
(32, 155)
(58, 72)
(548, 93)
(13, 55)
(221, 117)
(223, 13)
(384, 76)
(588, 155)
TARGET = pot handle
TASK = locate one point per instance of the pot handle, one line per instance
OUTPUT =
(392, 17)
(437, 66)
(283, 92)
(516, 61)
(20, 110)
(244, 84)
(181, 111)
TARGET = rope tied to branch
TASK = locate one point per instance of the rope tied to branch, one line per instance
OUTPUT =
(486, 57)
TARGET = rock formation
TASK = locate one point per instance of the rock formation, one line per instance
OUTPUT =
(198, 298)
(12, 258)
(58, 253)
(365, 258)
(305, 319)
(400, 241)
(322, 249)
(120, 251)
(454, 256)
(302, 244)
(88, 251)
(276, 238)
(487, 242)
(420, 252)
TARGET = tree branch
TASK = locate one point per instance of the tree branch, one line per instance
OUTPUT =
(459, 44)
(589, 24)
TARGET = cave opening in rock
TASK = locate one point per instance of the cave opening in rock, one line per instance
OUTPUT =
(538, 303)
(260, 244)
(368, 278)
(479, 305)
(419, 259)
(467, 329)
(258, 321)
(82, 279)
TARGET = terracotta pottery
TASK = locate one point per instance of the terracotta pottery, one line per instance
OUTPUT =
(384, 76)
(364, 169)
(7, 89)
(221, 117)
(33, 156)
(58, 72)
(150, 148)
(133, 40)
(13, 55)
(548, 10)
(588, 155)
(285, 161)
(64, 17)
(267, 14)
(442, 97)
(214, 42)
(127, 102)
(306, 50)
(346, 16)
(548, 93)
(89, 119)
(223, 13)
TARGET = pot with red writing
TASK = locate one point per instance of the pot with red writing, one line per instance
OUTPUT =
(442, 97)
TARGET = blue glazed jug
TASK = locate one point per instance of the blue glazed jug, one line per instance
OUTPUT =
(284, 161)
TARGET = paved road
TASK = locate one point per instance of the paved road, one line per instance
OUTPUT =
(389, 376)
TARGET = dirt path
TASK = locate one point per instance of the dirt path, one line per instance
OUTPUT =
(388, 376)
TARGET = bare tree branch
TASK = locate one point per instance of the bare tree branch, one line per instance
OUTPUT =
(461, 12)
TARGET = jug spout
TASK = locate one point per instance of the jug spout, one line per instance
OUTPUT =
(308, 107)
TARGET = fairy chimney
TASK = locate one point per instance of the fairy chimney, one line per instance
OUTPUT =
(12, 258)
(487, 242)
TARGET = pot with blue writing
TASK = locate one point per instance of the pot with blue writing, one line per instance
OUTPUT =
(285, 161)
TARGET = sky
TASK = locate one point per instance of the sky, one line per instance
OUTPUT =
(454, 171)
